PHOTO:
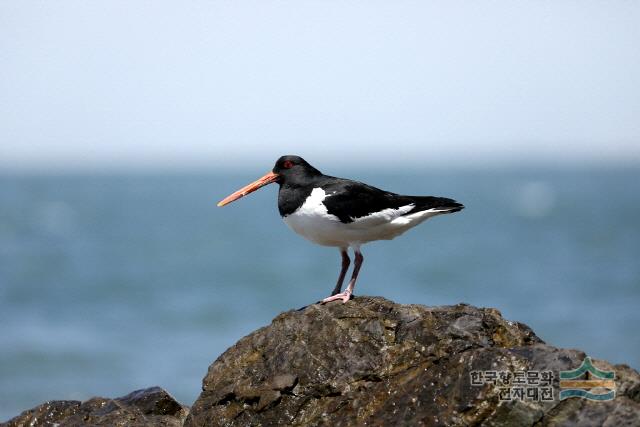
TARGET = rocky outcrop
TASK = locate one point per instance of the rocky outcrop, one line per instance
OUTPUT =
(142, 408)
(374, 362)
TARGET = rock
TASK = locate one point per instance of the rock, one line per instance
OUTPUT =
(368, 362)
(374, 362)
(149, 407)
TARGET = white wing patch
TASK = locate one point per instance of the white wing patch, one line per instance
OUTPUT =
(385, 216)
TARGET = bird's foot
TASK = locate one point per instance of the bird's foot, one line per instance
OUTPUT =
(344, 296)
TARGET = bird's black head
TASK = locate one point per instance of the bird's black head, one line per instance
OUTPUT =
(294, 168)
(289, 170)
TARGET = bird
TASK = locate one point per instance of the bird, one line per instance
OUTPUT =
(342, 213)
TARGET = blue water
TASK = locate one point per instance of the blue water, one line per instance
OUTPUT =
(112, 283)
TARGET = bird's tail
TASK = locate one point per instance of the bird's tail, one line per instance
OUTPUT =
(441, 204)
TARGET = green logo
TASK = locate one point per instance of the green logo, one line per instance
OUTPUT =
(588, 382)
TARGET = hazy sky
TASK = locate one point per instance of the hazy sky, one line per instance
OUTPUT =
(127, 84)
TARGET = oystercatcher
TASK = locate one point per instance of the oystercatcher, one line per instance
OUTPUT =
(342, 213)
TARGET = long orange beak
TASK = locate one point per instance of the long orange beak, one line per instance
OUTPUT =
(267, 179)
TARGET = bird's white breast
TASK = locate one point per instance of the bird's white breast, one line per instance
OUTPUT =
(313, 221)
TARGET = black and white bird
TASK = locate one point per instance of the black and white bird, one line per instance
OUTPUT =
(342, 213)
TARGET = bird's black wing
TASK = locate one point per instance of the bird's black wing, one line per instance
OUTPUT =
(349, 200)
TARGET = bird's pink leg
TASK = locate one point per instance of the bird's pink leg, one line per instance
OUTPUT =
(343, 272)
(346, 295)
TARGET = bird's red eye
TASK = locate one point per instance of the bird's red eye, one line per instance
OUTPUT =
(287, 164)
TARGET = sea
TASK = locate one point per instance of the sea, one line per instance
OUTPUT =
(115, 282)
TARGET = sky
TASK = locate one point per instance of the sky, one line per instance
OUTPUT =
(123, 85)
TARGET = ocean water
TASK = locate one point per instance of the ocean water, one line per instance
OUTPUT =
(113, 283)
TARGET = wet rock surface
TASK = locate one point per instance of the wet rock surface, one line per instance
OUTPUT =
(148, 407)
(374, 362)
(368, 362)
